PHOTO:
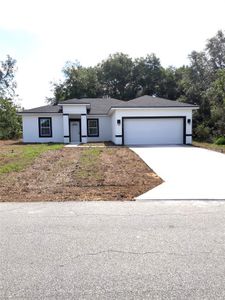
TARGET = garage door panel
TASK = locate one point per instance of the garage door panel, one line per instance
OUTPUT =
(153, 131)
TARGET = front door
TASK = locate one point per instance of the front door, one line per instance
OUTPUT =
(75, 131)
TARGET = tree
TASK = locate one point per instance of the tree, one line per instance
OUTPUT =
(215, 49)
(118, 77)
(216, 94)
(169, 87)
(7, 78)
(10, 122)
(79, 82)
(148, 75)
(203, 83)
(115, 76)
(193, 85)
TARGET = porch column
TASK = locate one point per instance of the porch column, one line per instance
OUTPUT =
(66, 132)
(83, 128)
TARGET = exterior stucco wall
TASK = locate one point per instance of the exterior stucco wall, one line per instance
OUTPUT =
(118, 114)
(74, 109)
(31, 129)
(105, 129)
(110, 127)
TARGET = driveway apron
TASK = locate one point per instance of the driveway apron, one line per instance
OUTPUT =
(188, 172)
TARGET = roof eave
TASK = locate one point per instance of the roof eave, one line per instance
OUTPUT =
(153, 107)
(86, 104)
(36, 112)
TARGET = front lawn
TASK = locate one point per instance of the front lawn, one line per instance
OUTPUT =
(14, 156)
(210, 146)
(55, 173)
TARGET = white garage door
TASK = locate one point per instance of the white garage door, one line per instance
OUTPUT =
(153, 131)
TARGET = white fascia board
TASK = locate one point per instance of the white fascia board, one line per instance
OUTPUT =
(38, 113)
(154, 108)
(97, 115)
(76, 104)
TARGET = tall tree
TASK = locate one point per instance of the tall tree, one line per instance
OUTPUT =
(195, 81)
(79, 82)
(216, 94)
(115, 76)
(148, 75)
(10, 122)
(203, 83)
(215, 48)
(169, 85)
(7, 78)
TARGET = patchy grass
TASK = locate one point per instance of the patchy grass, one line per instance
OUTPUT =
(210, 146)
(77, 174)
(89, 164)
(15, 157)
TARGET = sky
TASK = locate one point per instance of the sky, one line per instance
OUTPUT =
(42, 35)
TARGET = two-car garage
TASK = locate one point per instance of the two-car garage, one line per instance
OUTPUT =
(153, 130)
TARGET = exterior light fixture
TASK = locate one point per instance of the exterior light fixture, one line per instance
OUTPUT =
(118, 122)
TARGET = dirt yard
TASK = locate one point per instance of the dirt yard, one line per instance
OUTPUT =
(108, 173)
(213, 147)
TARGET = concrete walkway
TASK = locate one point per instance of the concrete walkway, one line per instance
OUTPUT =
(188, 172)
(71, 145)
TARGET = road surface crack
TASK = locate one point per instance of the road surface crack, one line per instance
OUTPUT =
(140, 253)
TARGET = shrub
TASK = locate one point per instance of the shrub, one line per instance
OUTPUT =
(202, 133)
(10, 122)
(220, 141)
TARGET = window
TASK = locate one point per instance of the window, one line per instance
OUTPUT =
(45, 127)
(93, 128)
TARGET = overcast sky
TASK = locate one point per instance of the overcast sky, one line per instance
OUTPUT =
(42, 35)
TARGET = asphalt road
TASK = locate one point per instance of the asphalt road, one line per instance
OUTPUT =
(112, 250)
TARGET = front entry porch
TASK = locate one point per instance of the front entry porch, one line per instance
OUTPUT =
(75, 128)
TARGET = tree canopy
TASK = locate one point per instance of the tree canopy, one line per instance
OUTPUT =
(10, 122)
(202, 82)
(7, 77)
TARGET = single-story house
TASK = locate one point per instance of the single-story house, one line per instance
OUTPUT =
(142, 121)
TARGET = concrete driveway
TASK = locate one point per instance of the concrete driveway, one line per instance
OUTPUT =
(188, 172)
(112, 250)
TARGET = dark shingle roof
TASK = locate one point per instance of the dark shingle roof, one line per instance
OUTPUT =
(97, 105)
(103, 105)
(150, 101)
(44, 109)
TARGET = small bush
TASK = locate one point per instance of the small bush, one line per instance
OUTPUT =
(10, 122)
(202, 133)
(220, 141)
